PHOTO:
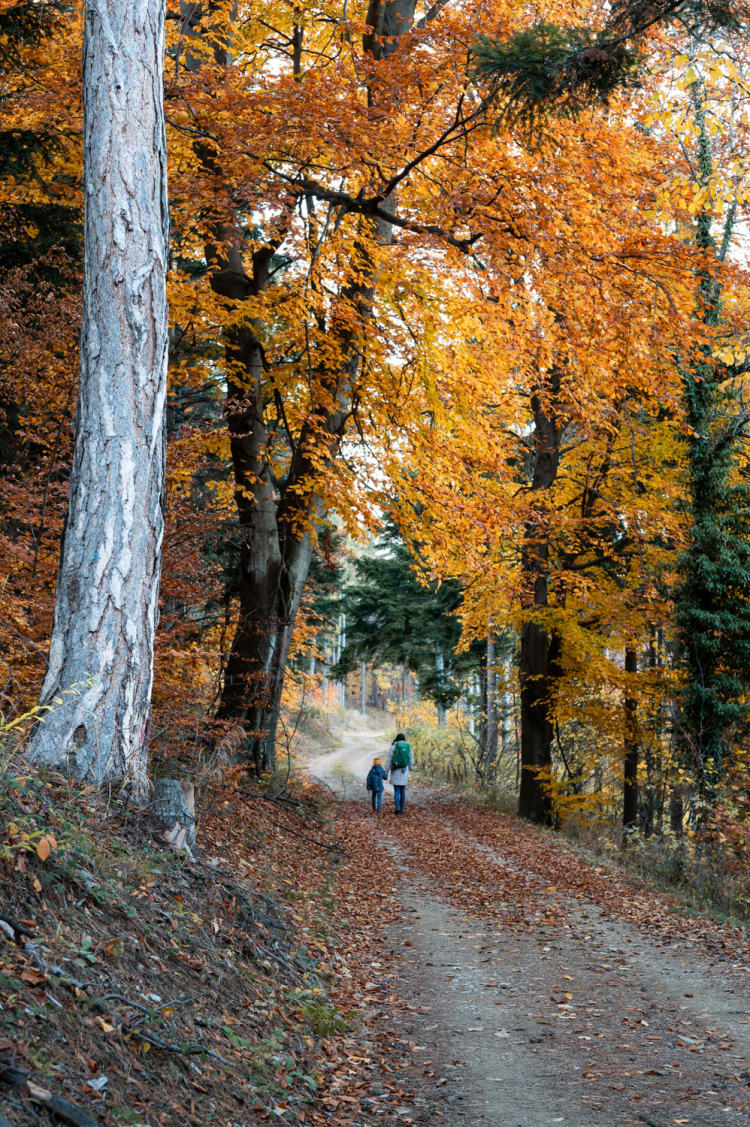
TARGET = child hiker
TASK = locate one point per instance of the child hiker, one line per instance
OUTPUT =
(375, 780)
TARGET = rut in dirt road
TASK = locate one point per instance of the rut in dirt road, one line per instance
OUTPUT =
(542, 990)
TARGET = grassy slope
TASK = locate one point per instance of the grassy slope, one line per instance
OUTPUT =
(179, 961)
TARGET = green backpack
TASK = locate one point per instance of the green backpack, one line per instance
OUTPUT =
(401, 755)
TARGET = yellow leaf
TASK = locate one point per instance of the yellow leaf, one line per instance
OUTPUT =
(43, 849)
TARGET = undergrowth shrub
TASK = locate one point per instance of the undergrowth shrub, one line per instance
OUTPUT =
(310, 719)
(444, 755)
(705, 873)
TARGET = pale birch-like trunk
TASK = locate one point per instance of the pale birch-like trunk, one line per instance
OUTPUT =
(506, 708)
(440, 671)
(100, 667)
(490, 749)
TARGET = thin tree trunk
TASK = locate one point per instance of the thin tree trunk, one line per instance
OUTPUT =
(482, 711)
(648, 797)
(630, 766)
(677, 810)
(440, 671)
(471, 706)
(538, 664)
(507, 707)
(363, 687)
(100, 668)
(341, 648)
(490, 750)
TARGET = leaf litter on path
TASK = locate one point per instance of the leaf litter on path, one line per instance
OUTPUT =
(600, 972)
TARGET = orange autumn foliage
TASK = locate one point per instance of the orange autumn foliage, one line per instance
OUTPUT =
(457, 263)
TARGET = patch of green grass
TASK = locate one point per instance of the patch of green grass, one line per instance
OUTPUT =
(124, 1115)
(341, 771)
(323, 1018)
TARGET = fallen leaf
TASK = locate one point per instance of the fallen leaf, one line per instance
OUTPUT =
(33, 977)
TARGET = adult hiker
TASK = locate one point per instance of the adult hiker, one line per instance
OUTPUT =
(400, 759)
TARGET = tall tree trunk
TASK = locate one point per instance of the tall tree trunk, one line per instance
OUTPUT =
(440, 672)
(677, 810)
(538, 664)
(100, 669)
(341, 647)
(272, 581)
(506, 709)
(652, 802)
(630, 765)
(471, 702)
(482, 715)
(490, 748)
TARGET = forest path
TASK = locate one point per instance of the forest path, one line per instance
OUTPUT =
(538, 989)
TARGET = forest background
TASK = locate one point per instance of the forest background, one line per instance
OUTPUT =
(492, 291)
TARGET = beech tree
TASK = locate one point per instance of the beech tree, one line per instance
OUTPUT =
(286, 436)
(96, 695)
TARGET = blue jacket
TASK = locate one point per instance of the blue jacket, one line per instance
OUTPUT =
(376, 777)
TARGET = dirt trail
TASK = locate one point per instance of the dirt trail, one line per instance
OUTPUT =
(533, 1003)
(345, 769)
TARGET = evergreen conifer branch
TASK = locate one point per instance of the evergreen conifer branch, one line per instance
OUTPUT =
(548, 67)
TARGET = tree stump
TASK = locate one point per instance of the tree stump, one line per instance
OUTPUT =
(174, 806)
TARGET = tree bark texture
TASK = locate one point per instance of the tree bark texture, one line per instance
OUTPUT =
(630, 765)
(100, 667)
(539, 659)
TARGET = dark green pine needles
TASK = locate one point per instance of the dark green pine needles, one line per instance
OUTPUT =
(563, 69)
